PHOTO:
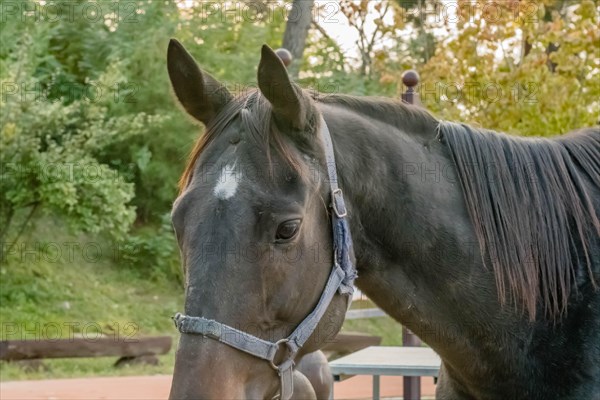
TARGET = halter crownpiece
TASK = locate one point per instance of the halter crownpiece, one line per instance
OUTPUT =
(341, 279)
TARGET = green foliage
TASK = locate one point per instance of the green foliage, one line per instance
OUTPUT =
(90, 130)
(225, 38)
(48, 160)
(152, 251)
(56, 276)
(529, 70)
(58, 285)
(116, 60)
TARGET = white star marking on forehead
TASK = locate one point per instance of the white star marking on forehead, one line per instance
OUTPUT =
(227, 183)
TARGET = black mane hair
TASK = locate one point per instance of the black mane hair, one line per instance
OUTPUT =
(533, 216)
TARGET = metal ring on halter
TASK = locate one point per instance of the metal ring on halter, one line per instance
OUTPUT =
(278, 343)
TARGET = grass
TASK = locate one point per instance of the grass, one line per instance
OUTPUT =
(76, 287)
(83, 367)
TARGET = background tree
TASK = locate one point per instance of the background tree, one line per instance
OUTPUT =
(392, 36)
(296, 31)
(359, 14)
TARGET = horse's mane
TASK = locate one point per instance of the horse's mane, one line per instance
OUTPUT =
(394, 112)
(534, 218)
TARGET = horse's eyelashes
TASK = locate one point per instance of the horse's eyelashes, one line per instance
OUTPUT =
(287, 230)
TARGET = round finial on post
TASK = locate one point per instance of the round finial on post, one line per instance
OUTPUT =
(285, 56)
(411, 78)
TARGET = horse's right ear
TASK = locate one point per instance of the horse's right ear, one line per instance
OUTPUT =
(200, 94)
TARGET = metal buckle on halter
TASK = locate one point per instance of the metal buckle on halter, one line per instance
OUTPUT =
(278, 344)
(338, 213)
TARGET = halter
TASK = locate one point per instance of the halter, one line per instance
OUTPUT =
(341, 279)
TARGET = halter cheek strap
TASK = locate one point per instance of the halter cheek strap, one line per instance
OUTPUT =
(341, 279)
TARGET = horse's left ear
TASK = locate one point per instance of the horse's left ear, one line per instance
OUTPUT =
(289, 103)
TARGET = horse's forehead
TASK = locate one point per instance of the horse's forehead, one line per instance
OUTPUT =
(241, 158)
(215, 184)
(237, 170)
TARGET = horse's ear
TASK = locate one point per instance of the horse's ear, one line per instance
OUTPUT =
(288, 102)
(200, 94)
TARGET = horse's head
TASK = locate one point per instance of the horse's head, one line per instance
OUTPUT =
(253, 226)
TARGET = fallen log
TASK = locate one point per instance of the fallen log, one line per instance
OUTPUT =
(79, 347)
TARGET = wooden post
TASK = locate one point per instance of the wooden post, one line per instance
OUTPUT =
(412, 384)
(411, 79)
(285, 56)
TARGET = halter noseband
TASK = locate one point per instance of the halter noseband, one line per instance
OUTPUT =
(340, 279)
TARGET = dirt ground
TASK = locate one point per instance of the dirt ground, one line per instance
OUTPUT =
(157, 387)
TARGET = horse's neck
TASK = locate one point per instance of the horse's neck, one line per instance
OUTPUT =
(418, 259)
(415, 246)
(399, 185)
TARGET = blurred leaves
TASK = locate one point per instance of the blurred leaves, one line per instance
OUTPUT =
(90, 130)
(530, 68)
(49, 158)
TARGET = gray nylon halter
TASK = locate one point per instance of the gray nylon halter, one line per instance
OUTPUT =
(340, 279)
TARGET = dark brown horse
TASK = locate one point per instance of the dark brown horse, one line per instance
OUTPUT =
(484, 245)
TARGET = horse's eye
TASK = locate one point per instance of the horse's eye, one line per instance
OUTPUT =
(287, 230)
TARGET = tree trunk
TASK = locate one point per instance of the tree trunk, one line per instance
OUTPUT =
(296, 32)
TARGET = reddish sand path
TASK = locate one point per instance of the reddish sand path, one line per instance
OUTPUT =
(157, 387)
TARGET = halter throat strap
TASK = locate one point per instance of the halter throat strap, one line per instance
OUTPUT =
(341, 279)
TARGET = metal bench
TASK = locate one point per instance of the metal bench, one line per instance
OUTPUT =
(387, 360)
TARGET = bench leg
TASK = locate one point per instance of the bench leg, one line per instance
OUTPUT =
(375, 387)
(412, 388)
